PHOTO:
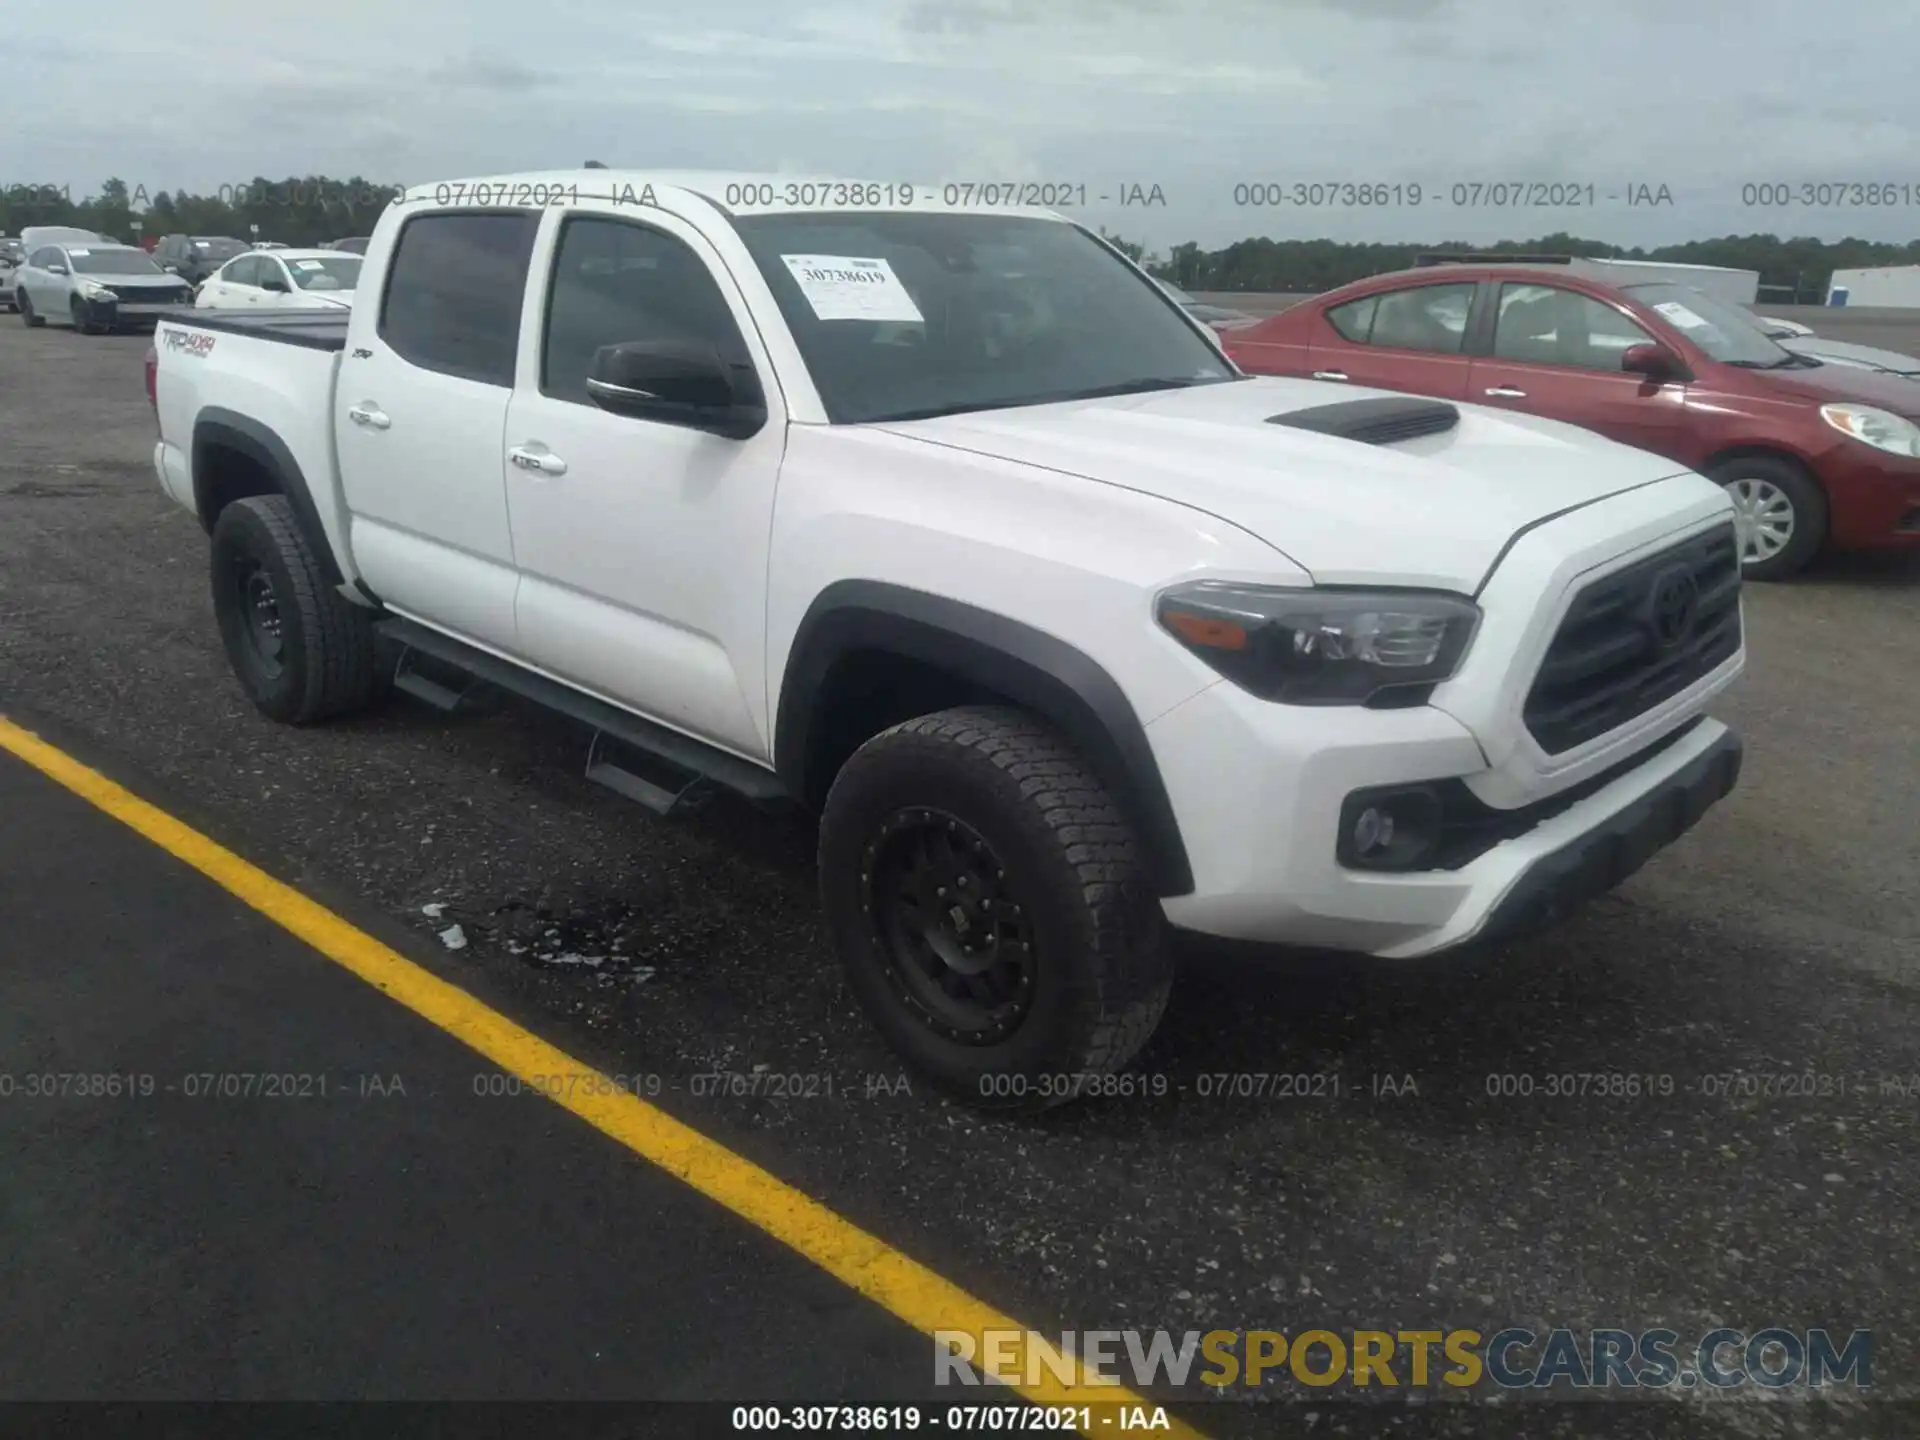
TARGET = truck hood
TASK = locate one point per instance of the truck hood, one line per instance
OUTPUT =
(1435, 511)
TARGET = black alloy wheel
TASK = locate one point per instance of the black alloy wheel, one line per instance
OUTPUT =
(957, 944)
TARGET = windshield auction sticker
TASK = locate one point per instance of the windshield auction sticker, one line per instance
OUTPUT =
(848, 287)
(1680, 315)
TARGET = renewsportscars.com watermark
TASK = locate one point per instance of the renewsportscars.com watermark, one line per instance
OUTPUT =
(1513, 1359)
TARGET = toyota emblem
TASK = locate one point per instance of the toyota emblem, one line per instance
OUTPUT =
(1672, 604)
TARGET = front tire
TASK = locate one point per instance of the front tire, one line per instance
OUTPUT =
(989, 902)
(1782, 514)
(300, 650)
(27, 317)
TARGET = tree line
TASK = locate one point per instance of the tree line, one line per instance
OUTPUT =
(299, 210)
(308, 210)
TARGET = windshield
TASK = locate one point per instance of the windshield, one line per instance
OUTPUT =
(113, 260)
(1177, 293)
(218, 246)
(901, 316)
(1728, 333)
(331, 272)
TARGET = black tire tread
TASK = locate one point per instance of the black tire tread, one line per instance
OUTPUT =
(1072, 811)
(342, 676)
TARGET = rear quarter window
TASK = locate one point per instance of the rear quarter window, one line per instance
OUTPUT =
(1354, 320)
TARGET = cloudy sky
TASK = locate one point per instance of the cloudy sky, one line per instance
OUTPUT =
(1197, 97)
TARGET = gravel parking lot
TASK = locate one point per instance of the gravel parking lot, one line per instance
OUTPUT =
(1780, 939)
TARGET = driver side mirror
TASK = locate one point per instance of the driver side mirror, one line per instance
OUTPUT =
(275, 284)
(57, 269)
(675, 382)
(1656, 362)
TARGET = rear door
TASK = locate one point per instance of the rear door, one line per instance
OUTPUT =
(237, 284)
(1412, 338)
(1557, 352)
(420, 412)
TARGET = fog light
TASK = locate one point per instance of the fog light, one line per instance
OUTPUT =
(1373, 831)
(1390, 828)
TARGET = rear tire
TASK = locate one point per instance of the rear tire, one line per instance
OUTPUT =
(1018, 1007)
(27, 317)
(1783, 514)
(301, 651)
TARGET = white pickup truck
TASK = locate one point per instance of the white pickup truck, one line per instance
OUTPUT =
(948, 523)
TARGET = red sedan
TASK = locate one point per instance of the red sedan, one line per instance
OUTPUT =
(1815, 456)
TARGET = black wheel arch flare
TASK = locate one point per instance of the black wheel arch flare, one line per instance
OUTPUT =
(229, 429)
(1031, 668)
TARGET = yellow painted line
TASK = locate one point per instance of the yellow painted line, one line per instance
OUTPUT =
(900, 1284)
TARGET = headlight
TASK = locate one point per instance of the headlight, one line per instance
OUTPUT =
(1881, 429)
(93, 290)
(1320, 647)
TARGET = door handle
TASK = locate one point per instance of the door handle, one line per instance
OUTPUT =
(1507, 392)
(1329, 374)
(540, 462)
(368, 415)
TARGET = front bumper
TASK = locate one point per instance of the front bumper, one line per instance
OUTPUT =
(1873, 498)
(117, 314)
(1260, 813)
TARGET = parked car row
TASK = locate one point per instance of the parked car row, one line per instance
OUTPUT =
(97, 285)
(1817, 451)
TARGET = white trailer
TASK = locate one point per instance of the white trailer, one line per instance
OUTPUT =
(1734, 287)
(1894, 286)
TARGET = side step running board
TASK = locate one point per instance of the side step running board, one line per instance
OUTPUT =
(656, 767)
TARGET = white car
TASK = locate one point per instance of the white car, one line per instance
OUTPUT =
(1791, 335)
(1073, 633)
(94, 288)
(282, 280)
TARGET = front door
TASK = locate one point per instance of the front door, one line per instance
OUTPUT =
(642, 546)
(1557, 353)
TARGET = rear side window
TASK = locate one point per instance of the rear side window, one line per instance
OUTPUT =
(1424, 317)
(453, 294)
(1354, 320)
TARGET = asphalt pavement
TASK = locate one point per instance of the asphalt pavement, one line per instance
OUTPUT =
(1780, 938)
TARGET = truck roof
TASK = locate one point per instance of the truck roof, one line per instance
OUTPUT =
(777, 193)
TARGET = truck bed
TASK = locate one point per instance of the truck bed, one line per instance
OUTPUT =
(314, 329)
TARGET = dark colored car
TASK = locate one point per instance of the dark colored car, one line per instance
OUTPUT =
(12, 253)
(1814, 455)
(194, 257)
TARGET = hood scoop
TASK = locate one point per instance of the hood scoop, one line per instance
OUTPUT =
(1383, 421)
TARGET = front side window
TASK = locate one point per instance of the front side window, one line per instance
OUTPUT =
(904, 315)
(454, 290)
(615, 282)
(242, 272)
(1548, 325)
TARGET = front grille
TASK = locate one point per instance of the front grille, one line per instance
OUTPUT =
(1627, 644)
(152, 294)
